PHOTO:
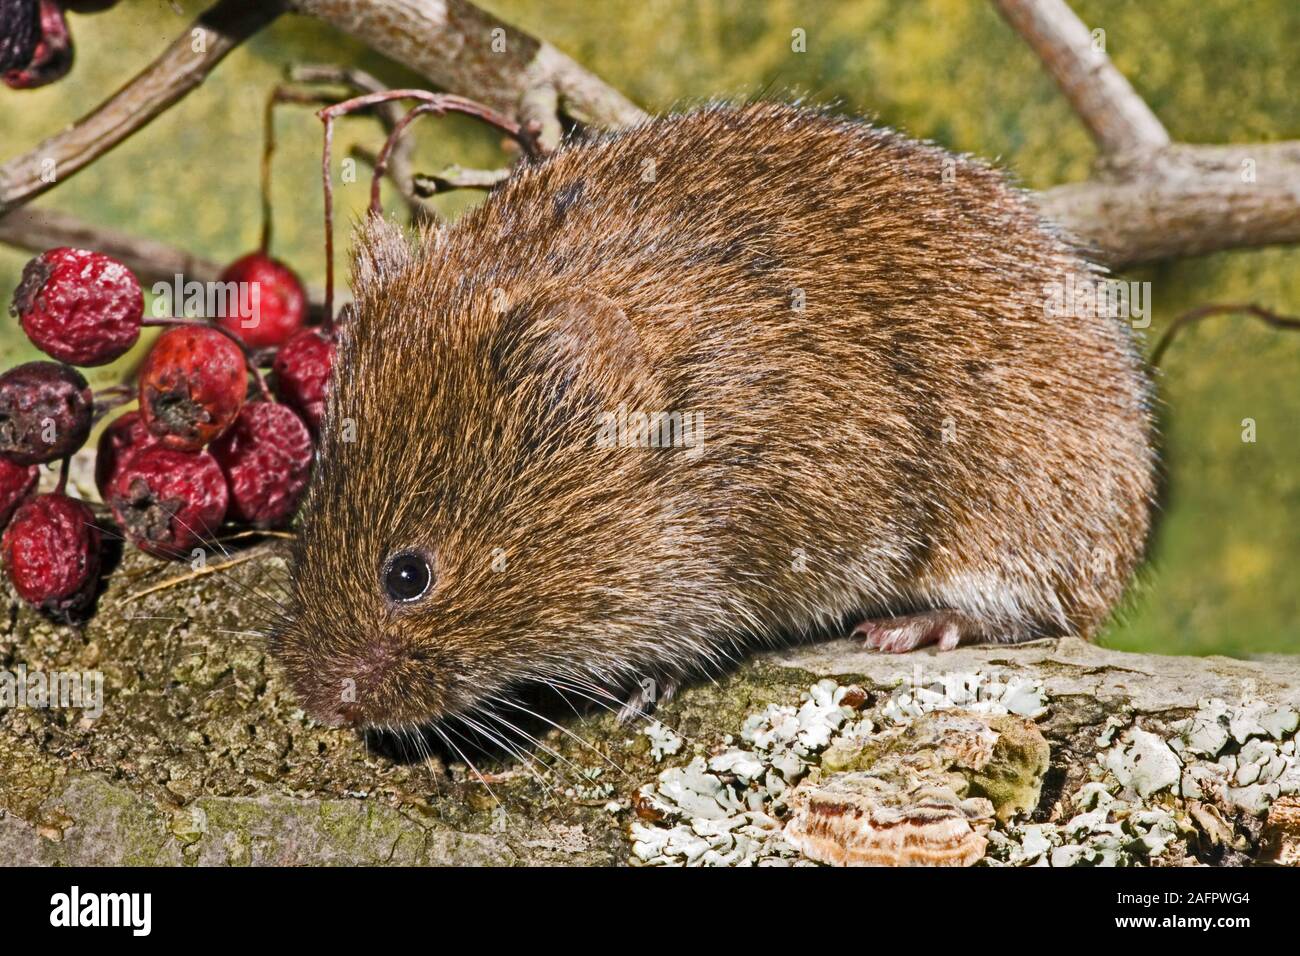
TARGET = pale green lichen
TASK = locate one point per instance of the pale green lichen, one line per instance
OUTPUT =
(1150, 795)
(663, 741)
(1142, 766)
(1106, 831)
(976, 691)
(591, 789)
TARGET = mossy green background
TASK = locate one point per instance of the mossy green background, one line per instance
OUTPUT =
(1223, 571)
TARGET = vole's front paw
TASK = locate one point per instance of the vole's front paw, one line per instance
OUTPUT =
(898, 635)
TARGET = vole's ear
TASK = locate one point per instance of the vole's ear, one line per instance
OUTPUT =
(594, 340)
(580, 347)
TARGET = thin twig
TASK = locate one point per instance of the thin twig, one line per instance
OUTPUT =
(1267, 316)
(385, 153)
(282, 93)
(458, 177)
(268, 154)
(112, 397)
(440, 103)
(328, 184)
(256, 533)
(420, 210)
(191, 575)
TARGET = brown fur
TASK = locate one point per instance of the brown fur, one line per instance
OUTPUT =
(918, 436)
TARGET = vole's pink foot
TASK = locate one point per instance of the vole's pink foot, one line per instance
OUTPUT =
(898, 635)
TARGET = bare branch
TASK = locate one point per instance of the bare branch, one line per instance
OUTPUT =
(281, 94)
(352, 77)
(458, 177)
(465, 50)
(313, 92)
(439, 104)
(1118, 119)
(178, 70)
(1267, 316)
(36, 230)
(1186, 201)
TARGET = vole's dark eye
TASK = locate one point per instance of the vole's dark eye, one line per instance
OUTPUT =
(407, 576)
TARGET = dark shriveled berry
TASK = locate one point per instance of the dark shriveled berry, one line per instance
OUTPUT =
(168, 502)
(46, 411)
(78, 306)
(267, 456)
(52, 56)
(192, 386)
(52, 553)
(281, 301)
(20, 29)
(302, 370)
(17, 482)
(124, 437)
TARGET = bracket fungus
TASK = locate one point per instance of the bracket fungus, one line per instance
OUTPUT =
(856, 819)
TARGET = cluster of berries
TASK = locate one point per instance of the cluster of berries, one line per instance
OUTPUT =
(35, 45)
(202, 447)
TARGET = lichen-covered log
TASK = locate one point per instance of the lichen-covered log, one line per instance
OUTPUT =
(201, 755)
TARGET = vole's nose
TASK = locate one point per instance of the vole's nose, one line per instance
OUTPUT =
(377, 660)
(370, 670)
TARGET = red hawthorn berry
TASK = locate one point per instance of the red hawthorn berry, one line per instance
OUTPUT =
(17, 482)
(267, 456)
(80, 307)
(123, 438)
(192, 385)
(46, 411)
(51, 552)
(281, 301)
(302, 373)
(52, 56)
(168, 502)
(20, 30)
